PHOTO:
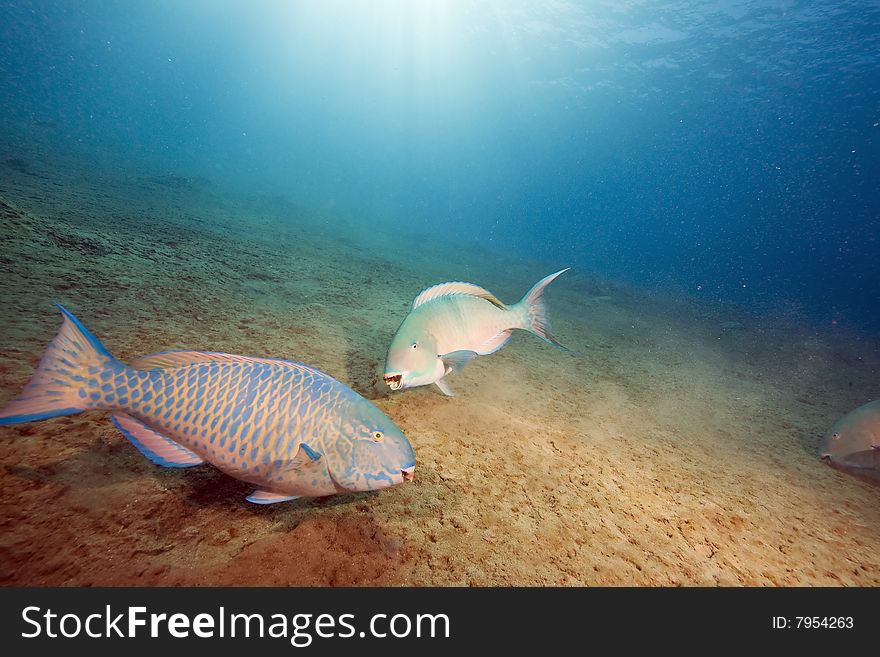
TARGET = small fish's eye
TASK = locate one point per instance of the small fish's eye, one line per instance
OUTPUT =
(415, 345)
(835, 436)
(378, 436)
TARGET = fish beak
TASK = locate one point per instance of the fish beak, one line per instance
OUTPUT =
(394, 381)
(409, 473)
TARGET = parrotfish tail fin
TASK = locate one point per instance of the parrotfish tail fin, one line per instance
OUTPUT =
(533, 311)
(69, 378)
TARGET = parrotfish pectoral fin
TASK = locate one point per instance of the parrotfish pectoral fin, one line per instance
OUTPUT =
(444, 388)
(156, 447)
(74, 357)
(305, 460)
(456, 361)
(312, 454)
(533, 311)
(269, 497)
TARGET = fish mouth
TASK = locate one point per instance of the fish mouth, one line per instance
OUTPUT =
(394, 381)
(826, 457)
(409, 473)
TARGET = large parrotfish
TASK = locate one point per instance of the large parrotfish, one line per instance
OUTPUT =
(452, 323)
(853, 443)
(287, 428)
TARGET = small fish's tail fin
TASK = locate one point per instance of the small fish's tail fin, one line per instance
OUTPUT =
(69, 378)
(533, 310)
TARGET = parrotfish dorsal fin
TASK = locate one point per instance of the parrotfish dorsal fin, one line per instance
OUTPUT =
(170, 359)
(156, 447)
(455, 287)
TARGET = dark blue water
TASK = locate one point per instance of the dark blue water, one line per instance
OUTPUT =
(726, 149)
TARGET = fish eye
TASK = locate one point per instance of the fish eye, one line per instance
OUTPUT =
(835, 436)
(378, 436)
(415, 345)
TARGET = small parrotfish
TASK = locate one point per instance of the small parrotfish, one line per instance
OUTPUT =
(853, 443)
(450, 324)
(287, 428)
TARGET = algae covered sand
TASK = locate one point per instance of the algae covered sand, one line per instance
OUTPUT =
(676, 445)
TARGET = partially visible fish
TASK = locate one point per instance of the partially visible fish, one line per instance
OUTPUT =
(287, 428)
(853, 443)
(450, 324)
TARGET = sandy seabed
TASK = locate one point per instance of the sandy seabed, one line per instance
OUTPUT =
(677, 446)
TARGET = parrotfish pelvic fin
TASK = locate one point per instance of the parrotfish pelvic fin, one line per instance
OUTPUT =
(444, 387)
(269, 497)
(58, 387)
